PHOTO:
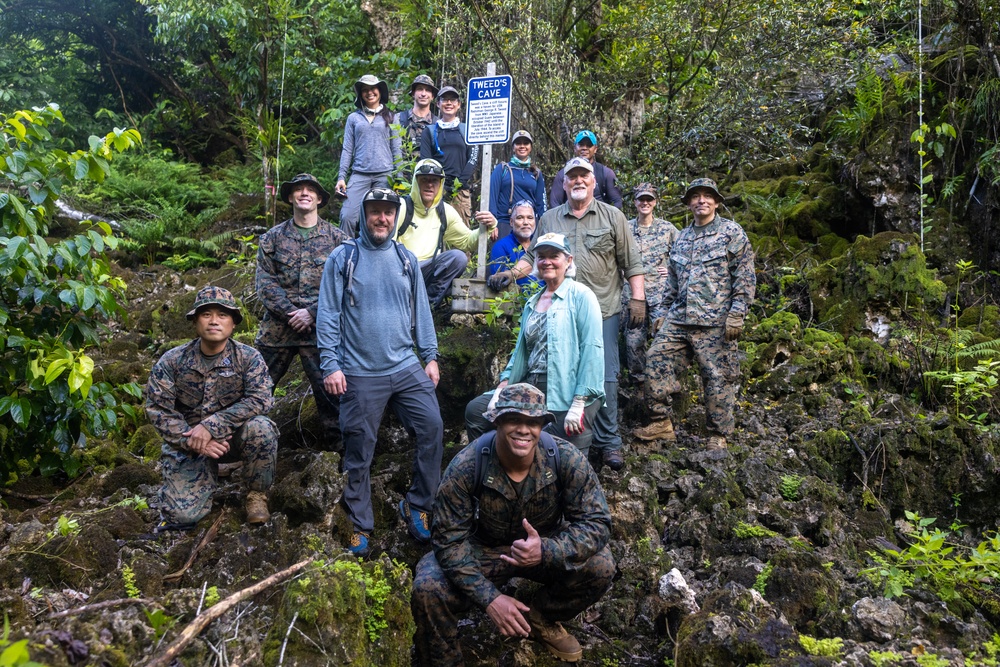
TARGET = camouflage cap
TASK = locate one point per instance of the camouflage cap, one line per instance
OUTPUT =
(706, 183)
(423, 80)
(285, 191)
(522, 398)
(216, 296)
(448, 90)
(644, 190)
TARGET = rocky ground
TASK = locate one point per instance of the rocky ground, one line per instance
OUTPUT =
(755, 555)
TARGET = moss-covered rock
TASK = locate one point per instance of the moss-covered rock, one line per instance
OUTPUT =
(347, 612)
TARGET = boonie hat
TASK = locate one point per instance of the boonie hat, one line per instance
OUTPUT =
(215, 296)
(644, 190)
(423, 80)
(448, 89)
(370, 80)
(577, 163)
(585, 134)
(522, 134)
(522, 398)
(286, 188)
(553, 240)
(706, 183)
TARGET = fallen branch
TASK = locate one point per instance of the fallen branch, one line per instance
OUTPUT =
(97, 606)
(208, 537)
(195, 627)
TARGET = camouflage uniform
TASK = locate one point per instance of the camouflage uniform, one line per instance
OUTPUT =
(654, 245)
(711, 275)
(289, 270)
(571, 515)
(229, 395)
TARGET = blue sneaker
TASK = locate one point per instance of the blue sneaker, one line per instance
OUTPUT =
(359, 545)
(418, 525)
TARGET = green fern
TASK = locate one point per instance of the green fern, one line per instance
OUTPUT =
(854, 124)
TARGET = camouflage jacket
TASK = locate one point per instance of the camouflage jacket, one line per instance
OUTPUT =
(289, 270)
(571, 515)
(710, 274)
(186, 388)
(654, 245)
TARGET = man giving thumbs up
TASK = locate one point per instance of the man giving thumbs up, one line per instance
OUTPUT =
(517, 502)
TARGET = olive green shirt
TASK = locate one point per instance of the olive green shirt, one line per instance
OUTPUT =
(604, 251)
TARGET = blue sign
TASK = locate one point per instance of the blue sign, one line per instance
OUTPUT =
(487, 111)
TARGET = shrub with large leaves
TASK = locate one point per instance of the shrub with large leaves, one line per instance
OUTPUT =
(55, 297)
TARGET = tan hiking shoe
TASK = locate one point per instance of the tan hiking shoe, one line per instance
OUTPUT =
(554, 637)
(658, 430)
(257, 508)
(717, 442)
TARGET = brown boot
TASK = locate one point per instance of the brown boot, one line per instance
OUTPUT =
(717, 442)
(257, 508)
(658, 430)
(554, 637)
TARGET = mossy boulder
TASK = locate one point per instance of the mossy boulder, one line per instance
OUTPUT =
(803, 591)
(311, 489)
(346, 611)
(882, 274)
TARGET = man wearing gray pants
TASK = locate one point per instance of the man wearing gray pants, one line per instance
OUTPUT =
(373, 311)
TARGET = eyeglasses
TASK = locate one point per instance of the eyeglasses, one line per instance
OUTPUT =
(430, 170)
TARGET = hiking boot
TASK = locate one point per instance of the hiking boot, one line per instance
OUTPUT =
(359, 544)
(658, 430)
(554, 637)
(418, 525)
(613, 459)
(257, 508)
(717, 442)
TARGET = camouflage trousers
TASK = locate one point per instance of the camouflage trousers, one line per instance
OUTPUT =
(190, 480)
(436, 602)
(278, 359)
(668, 358)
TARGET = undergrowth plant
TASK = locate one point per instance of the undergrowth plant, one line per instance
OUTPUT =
(932, 562)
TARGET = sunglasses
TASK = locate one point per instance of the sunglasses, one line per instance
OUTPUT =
(430, 170)
(379, 194)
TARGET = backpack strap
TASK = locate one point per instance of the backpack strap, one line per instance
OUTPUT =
(434, 135)
(484, 446)
(442, 228)
(407, 218)
(411, 272)
(510, 199)
(350, 264)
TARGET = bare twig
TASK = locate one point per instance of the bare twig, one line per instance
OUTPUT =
(209, 536)
(97, 606)
(284, 644)
(195, 627)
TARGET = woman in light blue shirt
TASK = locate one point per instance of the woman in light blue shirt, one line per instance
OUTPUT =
(560, 350)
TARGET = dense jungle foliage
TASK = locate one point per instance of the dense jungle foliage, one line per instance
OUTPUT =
(231, 97)
(857, 141)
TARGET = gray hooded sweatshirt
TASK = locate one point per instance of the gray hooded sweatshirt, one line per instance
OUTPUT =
(369, 334)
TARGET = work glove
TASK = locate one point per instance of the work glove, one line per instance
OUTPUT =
(496, 396)
(499, 281)
(573, 423)
(734, 326)
(636, 313)
(657, 323)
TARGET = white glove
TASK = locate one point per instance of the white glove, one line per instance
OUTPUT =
(573, 423)
(496, 396)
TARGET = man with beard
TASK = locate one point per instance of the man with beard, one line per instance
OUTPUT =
(604, 250)
(373, 311)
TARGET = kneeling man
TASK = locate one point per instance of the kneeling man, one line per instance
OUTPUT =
(208, 400)
(516, 502)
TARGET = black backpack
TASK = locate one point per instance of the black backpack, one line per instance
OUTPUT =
(408, 269)
(484, 446)
(408, 222)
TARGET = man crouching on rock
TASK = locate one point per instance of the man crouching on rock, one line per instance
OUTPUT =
(516, 502)
(207, 399)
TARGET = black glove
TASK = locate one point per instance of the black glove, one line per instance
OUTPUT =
(498, 281)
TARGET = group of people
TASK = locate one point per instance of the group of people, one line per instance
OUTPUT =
(355, 305)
